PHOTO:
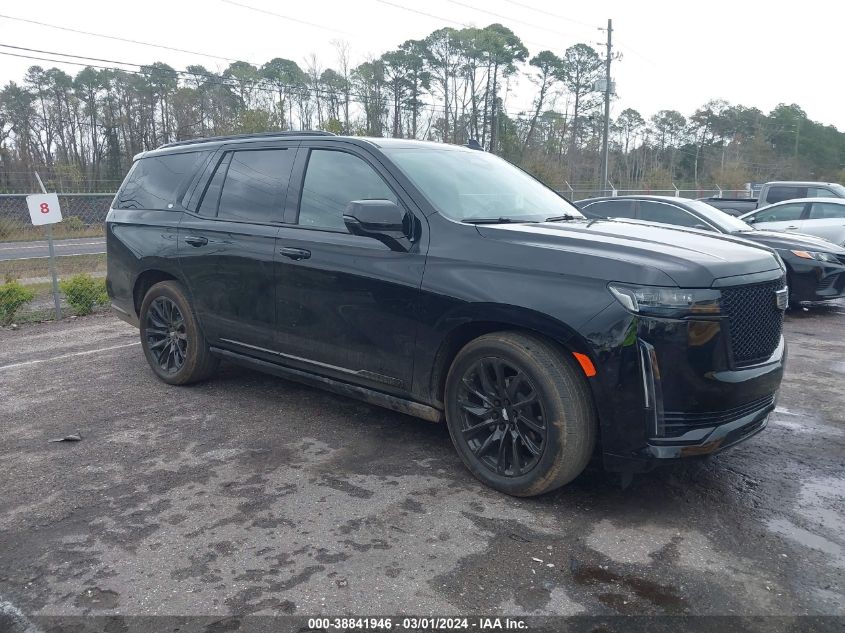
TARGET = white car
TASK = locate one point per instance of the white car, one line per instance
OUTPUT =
(822, 217)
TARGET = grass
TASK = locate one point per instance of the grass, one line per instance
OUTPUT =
(25, 233)
(66, 266)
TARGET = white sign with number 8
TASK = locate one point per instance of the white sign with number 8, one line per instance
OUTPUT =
(44, 208)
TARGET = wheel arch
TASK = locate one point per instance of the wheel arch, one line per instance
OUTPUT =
(480, 319)
(146, 280)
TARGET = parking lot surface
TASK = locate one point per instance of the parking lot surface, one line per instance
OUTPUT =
(250, 494)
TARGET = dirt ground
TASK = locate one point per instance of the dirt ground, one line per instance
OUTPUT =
(252, 495)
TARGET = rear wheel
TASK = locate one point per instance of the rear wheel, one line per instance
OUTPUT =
(519, 413)
(173, 343)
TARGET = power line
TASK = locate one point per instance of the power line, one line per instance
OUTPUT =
(442, 19)
(115, 38)
(284, 17)
(549, 13)
(505, 17)
(418, 12)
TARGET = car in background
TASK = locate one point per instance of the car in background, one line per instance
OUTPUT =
(815, 267)
(773, 192)
(822, 217)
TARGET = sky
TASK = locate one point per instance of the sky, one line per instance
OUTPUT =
(675, 55)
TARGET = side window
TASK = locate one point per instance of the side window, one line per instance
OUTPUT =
(332, 180)
(820, 192)
(651, 211)
(254, 185)
(610, 209)
(781, 213)
(778, 194)
(211, 197)
(157, 181)
(826, 211)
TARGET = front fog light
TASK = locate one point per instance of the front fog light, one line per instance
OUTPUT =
(666, 301)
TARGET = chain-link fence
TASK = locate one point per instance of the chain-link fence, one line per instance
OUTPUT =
(26, 289)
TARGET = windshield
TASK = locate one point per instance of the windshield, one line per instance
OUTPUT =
(839, 189)
(719, 218)
(473, 185)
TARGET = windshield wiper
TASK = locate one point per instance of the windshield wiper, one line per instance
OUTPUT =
(494, 220)
(563, 218)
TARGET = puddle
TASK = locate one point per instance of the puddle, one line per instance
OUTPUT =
(96, 598)
(806, 538)
(659, 595)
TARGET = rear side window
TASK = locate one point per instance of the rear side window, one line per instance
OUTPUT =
(156, 182)
(826, 211)
(778, 194)
(249, 186)
(332, 180)
(667, 214)
(610, 209)
(820, 192)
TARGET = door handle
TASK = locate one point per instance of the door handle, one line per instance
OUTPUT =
(791, 228)
(295, 253)
(196, 240)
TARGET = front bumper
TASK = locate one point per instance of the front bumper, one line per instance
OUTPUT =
(815, 281)
(670, 389)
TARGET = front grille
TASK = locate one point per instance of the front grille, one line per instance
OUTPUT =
(754, 319)
(679, 422)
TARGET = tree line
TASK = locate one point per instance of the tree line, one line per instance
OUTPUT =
(82, 130)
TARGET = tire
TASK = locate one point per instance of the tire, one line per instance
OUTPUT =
(550, 452)
(170, 335)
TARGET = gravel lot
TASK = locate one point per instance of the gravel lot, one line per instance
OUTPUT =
(249, 494)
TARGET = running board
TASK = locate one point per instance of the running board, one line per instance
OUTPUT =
(371, 396)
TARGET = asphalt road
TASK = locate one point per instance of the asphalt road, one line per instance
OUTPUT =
(250, 494)
(40, 248)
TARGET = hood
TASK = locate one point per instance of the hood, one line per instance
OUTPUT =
(636, 252)
(797, 241)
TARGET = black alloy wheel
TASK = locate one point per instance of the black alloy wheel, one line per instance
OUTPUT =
(171, 337)
(167, 338)
(502, 418)
(520, 412)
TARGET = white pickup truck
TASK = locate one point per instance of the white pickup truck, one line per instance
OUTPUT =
(777, 192)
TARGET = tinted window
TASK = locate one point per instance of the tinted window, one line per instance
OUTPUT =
(651, 211)
(255, 185)
(211, 197)
(333, 180)
(776, 194)
(824, 211)
(157, 181)
(610, 209)
(820, 192)
(781, 213)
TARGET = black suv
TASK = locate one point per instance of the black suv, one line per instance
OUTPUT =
(443, 282)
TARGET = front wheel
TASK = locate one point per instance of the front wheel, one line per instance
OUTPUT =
(172, 340)
(519, 413)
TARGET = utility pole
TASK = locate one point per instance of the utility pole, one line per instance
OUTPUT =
(607, 90)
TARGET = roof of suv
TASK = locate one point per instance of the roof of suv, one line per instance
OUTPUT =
(214, 141)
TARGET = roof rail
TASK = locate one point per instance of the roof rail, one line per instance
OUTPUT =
(231, 137)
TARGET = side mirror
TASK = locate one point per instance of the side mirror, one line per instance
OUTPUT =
(751, 220)
(383, 220)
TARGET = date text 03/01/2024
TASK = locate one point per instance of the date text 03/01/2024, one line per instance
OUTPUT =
(418, 623)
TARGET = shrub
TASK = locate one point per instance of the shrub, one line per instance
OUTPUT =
(73, 223)
(12, 297)
(83, 292)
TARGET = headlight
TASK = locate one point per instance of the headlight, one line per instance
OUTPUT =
(666, 302)
(822, 257)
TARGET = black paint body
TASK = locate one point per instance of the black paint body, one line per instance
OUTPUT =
(359, 318)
